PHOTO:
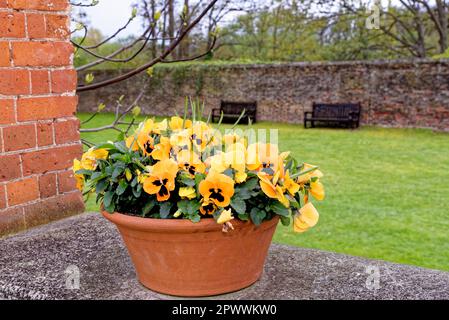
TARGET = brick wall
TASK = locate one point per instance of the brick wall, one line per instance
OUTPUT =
(404, 93)
(38, 131)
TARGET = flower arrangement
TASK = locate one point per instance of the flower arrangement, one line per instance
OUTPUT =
(184, 169)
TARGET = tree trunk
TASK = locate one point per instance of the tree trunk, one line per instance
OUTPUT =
(443, 20)
(171, 22)
(153, 28)
(184, 47)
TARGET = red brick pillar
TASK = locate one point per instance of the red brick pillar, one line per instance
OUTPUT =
(39, 134)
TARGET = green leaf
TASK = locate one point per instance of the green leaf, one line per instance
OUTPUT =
(107, 200)
(285, 221)
(101, 107)
(189, 207)
(165, 209)
(122, 186)
(137, 192)
(243, 217)
(134, 182)
(182, 205)
(136, 111)
(238, 205)
(121, 146)
(257, 215)
(279, 209)
(245, 191)
(84, 172)
(109, 146)
(89, 78)
(198, 178)
(195, 218)
(229, 172)
(185, 179)
(101, 186)
(117, 171)
(148, 206)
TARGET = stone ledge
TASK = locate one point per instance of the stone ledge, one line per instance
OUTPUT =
(33, 264)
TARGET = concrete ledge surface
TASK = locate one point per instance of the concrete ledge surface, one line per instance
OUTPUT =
(37, 264)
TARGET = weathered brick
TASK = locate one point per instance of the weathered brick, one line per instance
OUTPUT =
(19, 137)
(47, 185)
(52, 159)
(14, 82)
(7, 114)
(46, 108)
(66, 181)
(3, 4)
(56, 26)
(53, 209)
(44, 134)
(2, 197)
(47, 26)
(63, 81)
(12, 25)
(9, 167)
(22, 191)
(12, 220)
(36, 25)
(67, 131)
(45, 5)
(40, 82)
(4, 54)
(43, 53)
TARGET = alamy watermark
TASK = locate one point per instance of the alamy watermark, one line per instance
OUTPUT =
(373, 279)
(72, 280)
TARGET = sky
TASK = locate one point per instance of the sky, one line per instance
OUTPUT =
(109, 15)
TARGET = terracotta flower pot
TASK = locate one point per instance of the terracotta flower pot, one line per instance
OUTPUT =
(182, 258)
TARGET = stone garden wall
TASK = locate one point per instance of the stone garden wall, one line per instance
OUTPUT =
(394, 93)
(38, 130)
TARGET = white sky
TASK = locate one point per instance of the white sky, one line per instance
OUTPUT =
(109, 15)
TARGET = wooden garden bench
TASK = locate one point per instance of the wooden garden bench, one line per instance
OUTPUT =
(336, 114)
(232, 111)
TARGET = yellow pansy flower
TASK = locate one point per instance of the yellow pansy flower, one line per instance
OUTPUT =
(304, 178)
(132, 141)
(177, 123)
(162, 149)
(225, 216)
(187, 193)
(306, 218)
(79, 177)
(89, 158)
(217, 188)
(208, 208)
(161, 179)
(160, 126)
(263, 156)
(290, 185)
(146, 142)
(272, 189)
(231, 139)
(200, 135)
(317, 190)
(190, 162)
(234, 159)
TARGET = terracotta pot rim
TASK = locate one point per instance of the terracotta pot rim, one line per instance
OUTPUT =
(177, 225)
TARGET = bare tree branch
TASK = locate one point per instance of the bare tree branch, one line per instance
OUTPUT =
(144, 67)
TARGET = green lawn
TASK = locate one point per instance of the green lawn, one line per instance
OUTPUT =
(387, 191)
